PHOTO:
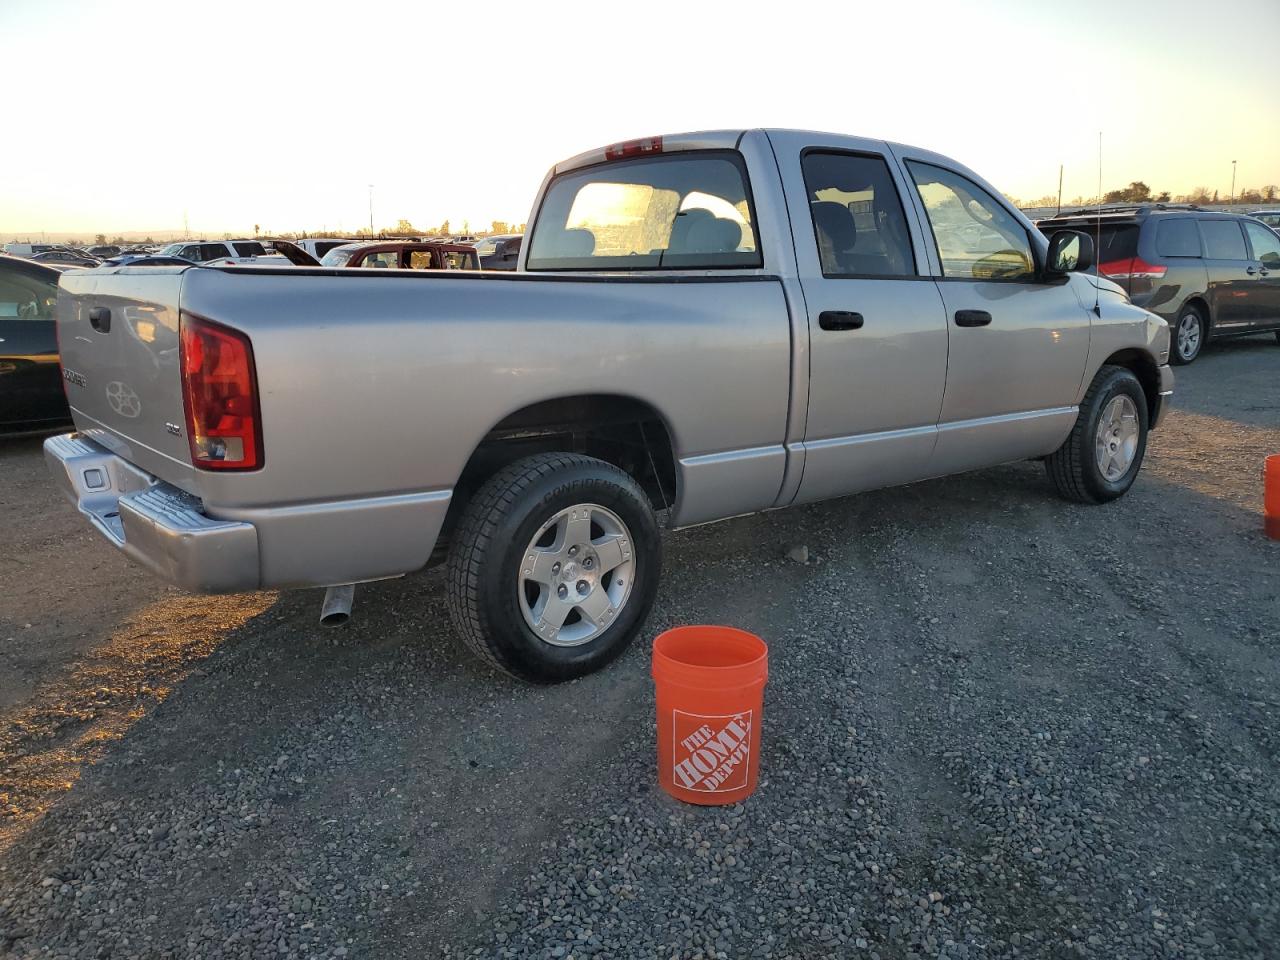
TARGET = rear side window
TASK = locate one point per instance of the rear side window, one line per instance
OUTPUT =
(1223, 240)
(212, 251)
(26, 297)
(1177, 238)
(249, 249)
(680, 211)
(858, 221)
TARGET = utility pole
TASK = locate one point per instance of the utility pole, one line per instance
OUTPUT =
(186, 228)
(371, 211)
(1059, 189)
(1233, 181)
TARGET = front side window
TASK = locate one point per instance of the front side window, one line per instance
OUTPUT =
(387, 259)
(680, 211)
(858, 221)
(977, 238)
(1223, 240)
(421, 260)
(26, 297)
(1177, 238)
(1266, 245)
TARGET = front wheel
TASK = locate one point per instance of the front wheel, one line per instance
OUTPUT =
(1102, 457)
(554, 566)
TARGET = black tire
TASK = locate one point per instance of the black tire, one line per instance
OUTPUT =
(1073, 468)
(484, 576)
(1176, 350)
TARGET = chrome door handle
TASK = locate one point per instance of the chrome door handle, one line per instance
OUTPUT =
(1250, 270)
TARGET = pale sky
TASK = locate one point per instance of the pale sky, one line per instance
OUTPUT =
(123, 116)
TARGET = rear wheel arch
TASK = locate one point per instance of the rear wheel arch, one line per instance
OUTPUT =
(1201, 304)
(630, 433)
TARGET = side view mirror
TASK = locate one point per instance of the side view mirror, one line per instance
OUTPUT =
(1069, 251)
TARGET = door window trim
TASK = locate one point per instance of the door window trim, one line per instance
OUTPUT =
(906, 223)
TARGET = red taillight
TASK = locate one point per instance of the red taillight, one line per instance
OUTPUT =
(219, 396)
(1132, 268)
(633, 148)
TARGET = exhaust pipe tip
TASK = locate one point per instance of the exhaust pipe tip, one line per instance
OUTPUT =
(336, 609)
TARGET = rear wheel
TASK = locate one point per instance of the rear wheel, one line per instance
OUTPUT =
(554, 566)
(1188, 334)
(1102, 457)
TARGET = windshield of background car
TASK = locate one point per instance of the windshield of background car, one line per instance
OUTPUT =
(337, 257)
(680, 211)
(171, 250)
(486, 247)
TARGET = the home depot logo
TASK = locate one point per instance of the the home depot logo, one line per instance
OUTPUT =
(710, 753)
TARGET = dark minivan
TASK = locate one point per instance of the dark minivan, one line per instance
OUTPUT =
(1207, 274)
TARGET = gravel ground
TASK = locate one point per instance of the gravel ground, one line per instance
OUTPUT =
(996, 726)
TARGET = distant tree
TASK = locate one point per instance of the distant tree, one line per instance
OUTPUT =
(1249, 196)
(1199, 195)
(100, 239)
(444, 229)
(1163, 197)
(147, 239)
(405, 229)
(118, 240)
(498, 226)
(255, 229)
(1269, 192)
(1215, 196)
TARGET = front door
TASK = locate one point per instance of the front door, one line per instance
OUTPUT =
(1018, 344)
(877, 332)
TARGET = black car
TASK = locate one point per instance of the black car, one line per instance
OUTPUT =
(499, 253)
(1207, 274)
(71, 258)
(103, 251)
(31, 396)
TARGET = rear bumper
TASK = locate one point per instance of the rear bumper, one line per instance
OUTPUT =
(298, 545)
(160, 526)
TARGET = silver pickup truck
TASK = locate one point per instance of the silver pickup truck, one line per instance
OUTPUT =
(700, 326)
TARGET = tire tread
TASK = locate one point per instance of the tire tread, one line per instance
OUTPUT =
(473, 542)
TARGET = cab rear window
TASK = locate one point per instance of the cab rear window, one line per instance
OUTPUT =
(688, 210)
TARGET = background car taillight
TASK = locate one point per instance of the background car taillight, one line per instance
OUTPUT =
(219, 396)
(1133, 273)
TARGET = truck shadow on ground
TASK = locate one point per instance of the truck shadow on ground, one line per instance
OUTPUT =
(233, 741)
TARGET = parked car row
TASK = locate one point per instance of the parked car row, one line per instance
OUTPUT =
(1207, 274)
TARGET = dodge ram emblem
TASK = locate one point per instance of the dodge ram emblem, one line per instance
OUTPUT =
(123, 400)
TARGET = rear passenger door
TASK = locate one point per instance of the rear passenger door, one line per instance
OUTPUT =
(1231, 275)
(877, 332)
(1264, 248)
(1018, 343)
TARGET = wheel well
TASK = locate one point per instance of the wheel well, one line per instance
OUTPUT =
(1144, 368)
(626, 432)
(1205, 312)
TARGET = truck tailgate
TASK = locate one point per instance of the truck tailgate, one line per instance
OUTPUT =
(118, 338)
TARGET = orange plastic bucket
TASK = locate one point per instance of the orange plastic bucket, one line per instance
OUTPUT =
(1271, 496)
(710, 684)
